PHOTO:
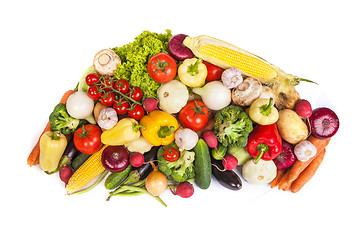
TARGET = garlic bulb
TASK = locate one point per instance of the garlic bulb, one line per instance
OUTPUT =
(108, 118)
(186, 139)
(231, 77)
(304, 151)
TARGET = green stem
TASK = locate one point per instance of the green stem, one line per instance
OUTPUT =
(100, 178)
(266, 109)
(131, 194)
(165, 131)
(263, 148)
(193, 68)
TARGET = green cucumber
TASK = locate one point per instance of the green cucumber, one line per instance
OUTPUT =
(202, 164)
(76, 163)
(115, 179)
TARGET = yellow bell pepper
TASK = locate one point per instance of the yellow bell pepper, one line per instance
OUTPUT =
(125, 131)
(52, 147)
(192, 72)
(160, 127)
(263, 112)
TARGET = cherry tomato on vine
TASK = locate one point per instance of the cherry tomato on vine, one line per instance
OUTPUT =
(91, 78)
(171, 154)
(122, 86)
(194, 115)
(87, 139)
(214, 72)
(107, 83)
(162, 67)
(107, 98)
(121, 106)
(136, 93)
(93, 92)
(136, 112)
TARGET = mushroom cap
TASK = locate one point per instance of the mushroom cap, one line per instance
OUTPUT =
(246, 92)
(106, 61)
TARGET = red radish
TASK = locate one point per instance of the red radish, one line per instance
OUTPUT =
(229, 162)
(324, 123)
(150, 104)
(287, 156)
(136, 159)
(65, 173)
(210, 138)
(184, 190)
(177, 49)
(303, 108)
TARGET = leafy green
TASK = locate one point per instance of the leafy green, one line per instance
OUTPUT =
(180, 170)
(61, 121)
(232, 126)
(135, 56)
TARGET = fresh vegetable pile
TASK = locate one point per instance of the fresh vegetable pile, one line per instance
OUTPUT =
(165, 111)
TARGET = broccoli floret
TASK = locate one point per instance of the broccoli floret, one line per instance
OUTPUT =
(232, 126)
(179, 170)
(61, 121)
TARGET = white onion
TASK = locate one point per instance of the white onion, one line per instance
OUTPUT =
(214, 95)
(80, 106)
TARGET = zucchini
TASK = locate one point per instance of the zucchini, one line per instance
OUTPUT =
(202, 164)
(116, 178)
(79, 160)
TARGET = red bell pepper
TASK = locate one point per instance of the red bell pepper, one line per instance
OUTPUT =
(264, 142)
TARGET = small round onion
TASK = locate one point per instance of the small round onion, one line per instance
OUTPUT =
(156, 183)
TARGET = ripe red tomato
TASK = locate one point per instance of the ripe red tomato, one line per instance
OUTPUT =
(87, 139)
(214, 72)
(122, 86)
(107, 83)
(91, 78)
(136, 112)
(162, 67)
(171, 154)
(107, 98)
(93, 92)
(136, 93)
(194, 115)
(121, 107)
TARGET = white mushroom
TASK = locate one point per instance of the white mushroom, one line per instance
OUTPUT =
(247, 92)
(106, 62)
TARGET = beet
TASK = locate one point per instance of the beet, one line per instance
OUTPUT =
(324, 123)
(177, 49)
(287, 156)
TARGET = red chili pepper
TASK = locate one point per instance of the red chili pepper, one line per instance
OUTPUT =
(264, 142)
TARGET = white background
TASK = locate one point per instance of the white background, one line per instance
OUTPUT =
(45, 47)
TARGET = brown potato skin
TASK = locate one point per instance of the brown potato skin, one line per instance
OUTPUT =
(291, 127)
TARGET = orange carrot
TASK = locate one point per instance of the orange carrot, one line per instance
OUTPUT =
(276, 180)
(33, 158)
(284, 181)
(299, 166)
(308, 173)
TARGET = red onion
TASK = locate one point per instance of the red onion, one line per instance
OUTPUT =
(115, 158)
(324, 123)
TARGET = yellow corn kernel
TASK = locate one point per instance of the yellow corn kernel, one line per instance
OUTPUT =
(88, 171)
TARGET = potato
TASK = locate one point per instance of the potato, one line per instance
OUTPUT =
(291, 127)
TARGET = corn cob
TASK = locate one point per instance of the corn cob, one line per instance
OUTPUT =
(88, 171)
(226, 55)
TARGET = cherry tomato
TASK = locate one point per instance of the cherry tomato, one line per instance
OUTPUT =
(91, 78)
(107, 98)
(93, 92)
(122, 86)
(194, 115)
(136, 112)
(214, 72)
(162, 67)
(107, 83)
(136, 93)
(171, 154)
(121, 106)
(87, 139)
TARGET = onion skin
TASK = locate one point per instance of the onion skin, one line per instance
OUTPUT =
(287, 156)
(115, 158)
(156, 183)
(324, 123)
(177, 49)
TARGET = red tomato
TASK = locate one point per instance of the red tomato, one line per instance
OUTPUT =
(162, 67)
(194, 115)
(93, 92)
(214, 72)
(136, 93)
(136, 112)
(121, 107)
(87, 139)
(107, 83)
(122, 86)
(171, 154)
(107, 98)
(91, 78)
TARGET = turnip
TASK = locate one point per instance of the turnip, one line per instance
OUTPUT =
(177, 49)
(324, 123)
(184, 190)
